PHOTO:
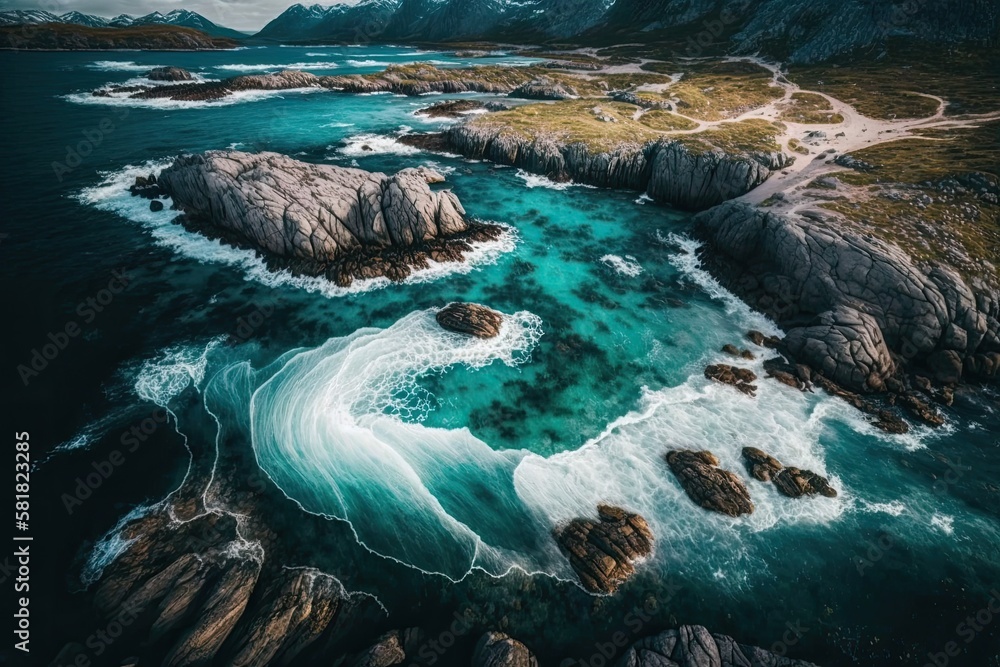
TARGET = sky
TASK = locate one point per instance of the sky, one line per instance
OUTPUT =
(249, 15)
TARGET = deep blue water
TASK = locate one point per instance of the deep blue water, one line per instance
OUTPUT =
(449, 460)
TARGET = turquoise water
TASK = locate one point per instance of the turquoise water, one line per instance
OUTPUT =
(426, 469)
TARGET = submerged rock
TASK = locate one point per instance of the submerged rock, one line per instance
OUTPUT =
(708, 485)
(695, 646)
(470, 318)
(741, 378)
(495, 649)
(602, 553)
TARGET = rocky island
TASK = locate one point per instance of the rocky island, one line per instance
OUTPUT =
(321, 220)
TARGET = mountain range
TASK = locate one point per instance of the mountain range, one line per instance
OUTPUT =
(178, 17)
(795, 30)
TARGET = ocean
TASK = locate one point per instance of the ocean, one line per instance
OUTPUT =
(421, 468)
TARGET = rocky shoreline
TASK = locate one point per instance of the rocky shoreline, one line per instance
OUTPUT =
(319, 220)
(856, 310)
(667, 170)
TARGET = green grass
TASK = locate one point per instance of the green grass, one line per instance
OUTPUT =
(967, 77)
(941, 231)
(810, 108)
(722, 90)
(574, 121)
(737, 138)
(664, 121)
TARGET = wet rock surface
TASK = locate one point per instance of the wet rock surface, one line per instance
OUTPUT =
(470, 318)
(740, 378)
(708, 485)
(602, 553)
(792, 482)
(695, 646)
(495, 649)
(761, 465)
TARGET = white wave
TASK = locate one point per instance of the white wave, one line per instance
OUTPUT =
(177, 368)
(313, 54)
(269, 67)
(944, 523)
(894, 508)
(111, 194)
(110, 546)
(368, 63)
(120, 66)
(337, 125)
(626, 266)
(238, 97)
(537, 181)
(643, 199)
(374, 144)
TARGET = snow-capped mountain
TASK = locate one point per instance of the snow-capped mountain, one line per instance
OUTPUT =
(362, 22)
(178, 17)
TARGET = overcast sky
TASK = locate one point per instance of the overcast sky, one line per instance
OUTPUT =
(248, 15)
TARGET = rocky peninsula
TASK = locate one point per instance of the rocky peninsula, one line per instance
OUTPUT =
(321, 220)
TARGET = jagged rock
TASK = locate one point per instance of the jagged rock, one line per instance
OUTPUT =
(155, 205)
(630, 97)
(796, 483)
(850, 303)
(919, 409)
(495, 649)
(734, 351)
(430, 141)
(386, 652)
(695, 646)
(759, 339)
(543, 88)
(169, 74)
(320, 219)
(881, 418)
(146, 187)
(470, 318)
(459, 108)
(708, 485)
(761, 465)
(292, 613)
(602, 553)
(741, 378)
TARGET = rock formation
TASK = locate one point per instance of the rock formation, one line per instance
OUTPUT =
(602, 553)
(470, 318)
(708, 485)
(169, 74)
(694, 646)
(792, 482)
(741, 378)
(320, 219)
(495, 649)
(667, 170)
(543, 88)
(734, 351)
(854, 308)
(459, 108)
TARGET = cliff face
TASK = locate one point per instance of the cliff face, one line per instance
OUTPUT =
(853, 307)
(666, 170)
